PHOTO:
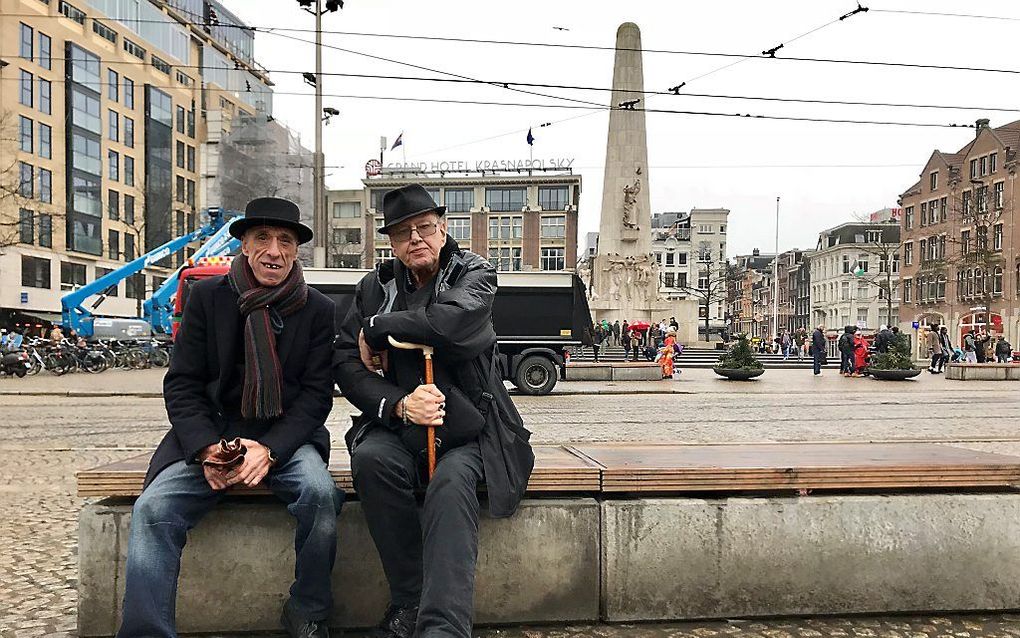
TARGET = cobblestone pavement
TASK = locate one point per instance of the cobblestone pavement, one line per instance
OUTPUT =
(44, 440)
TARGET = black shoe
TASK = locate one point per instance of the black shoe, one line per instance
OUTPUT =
(398, 622)
(307, 629)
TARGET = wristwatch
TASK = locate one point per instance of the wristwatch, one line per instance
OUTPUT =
(272, 457)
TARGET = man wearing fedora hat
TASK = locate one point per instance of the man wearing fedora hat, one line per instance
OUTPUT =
(435, 294)
(251, 363)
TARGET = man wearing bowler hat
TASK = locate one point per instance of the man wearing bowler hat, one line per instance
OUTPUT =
(433, 294)
(251, 363)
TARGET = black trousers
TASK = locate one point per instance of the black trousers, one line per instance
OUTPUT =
(429, 559)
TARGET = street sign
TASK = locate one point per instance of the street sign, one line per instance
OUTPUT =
(373, 167)
(916, 325)
(24, 297)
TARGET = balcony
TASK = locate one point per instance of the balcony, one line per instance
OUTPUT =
(680, 234)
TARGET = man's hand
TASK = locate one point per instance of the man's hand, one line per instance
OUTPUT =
(213, 477)
(255, 466)
(372, 360)
(426, 406)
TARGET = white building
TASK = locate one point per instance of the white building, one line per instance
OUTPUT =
(851, 274)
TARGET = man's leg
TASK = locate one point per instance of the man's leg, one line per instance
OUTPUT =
(174, 503)
(384, 476)
(450, 522)
(817, 363)
(304, 484)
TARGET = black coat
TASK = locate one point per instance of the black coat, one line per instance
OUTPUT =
(817, 342)
(205, 357)
(458, 324)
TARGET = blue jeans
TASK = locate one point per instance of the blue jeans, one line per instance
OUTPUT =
(179, 497)
(818, 357)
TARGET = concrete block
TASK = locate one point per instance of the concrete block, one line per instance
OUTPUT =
(983, 372)
(589, 372)
(688, 558)
(1013, 373)
(540, 566)
(651, 372)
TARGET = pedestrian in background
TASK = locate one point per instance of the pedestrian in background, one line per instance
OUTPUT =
(934, 348)
(818, 348)
(616, 332)
(846, 351)
(625, 338)
(799, 342)
(785, 344)
(981, 346)
(947, 348)
(1003, 351)
(970, 347)
(598, 335)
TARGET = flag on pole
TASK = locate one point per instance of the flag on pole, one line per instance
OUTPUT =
(858, 269)
(399, 141)
(531, 138)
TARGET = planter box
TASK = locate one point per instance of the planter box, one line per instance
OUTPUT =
(738, 374)
(983, 371)
(893, 375)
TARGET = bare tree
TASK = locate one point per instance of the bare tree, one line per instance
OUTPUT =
(713, 287)
(345, 252)
(886, 279)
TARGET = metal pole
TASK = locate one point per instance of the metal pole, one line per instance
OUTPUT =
(319, 254)
(775, 279)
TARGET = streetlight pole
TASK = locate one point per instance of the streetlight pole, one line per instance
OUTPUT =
(775, 279)
(318, 188)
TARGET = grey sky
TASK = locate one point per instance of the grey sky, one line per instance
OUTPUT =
(740, 164)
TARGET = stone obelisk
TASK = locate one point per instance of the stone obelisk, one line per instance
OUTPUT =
(625, 275)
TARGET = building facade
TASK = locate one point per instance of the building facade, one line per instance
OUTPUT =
(519, 221)
(799, 287)
(747, 300)
(854, 277)
(690, 250)
(109, 117)
(960, 263)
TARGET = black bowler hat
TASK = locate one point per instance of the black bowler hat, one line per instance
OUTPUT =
(406, 202)
(271, 211)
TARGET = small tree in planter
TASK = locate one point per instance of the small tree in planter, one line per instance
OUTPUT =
(739, 362)
(896, 364)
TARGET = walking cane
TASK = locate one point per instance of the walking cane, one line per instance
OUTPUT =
(427, 352)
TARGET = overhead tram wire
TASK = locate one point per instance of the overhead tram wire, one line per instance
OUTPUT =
(906, 65)
(942, 14)
(502, 83)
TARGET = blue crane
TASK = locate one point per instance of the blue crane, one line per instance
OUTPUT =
(76, 316)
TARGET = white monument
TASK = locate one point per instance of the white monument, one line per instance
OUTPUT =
(624, 273)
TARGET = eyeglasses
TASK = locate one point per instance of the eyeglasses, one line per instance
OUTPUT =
(404, 234)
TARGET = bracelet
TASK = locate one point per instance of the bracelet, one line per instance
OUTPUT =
(403, 409)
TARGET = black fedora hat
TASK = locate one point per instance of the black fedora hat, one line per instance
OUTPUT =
(406, 202)
(271, 211)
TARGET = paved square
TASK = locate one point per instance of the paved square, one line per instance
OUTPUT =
(46, 435)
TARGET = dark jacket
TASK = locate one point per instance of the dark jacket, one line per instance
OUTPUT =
(846, 341)
(458, 324)
(1003, 348)
(205, 357)
(817, 342)
(883, 339)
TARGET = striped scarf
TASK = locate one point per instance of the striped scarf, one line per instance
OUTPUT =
(264, 310)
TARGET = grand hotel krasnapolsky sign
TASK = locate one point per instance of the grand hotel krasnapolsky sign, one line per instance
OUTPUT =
(374, 167)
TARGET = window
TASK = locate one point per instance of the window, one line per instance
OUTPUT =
(943, 205)
(191, 159)
(459, 228)
(984, 166)
(981, 237)
(112, 85)
(129, 247)
(722, 229)
(908, 217)
(45, 141)
(113, 290)
(908, 290)
(844, 291)
(982, 199)
(129, 209)
(72, 275)
(460, 200)
(113, 205)
(45, 54)
(114, 165)
(504, 200)
(505, 228)
(45, 186)
(191, 121)
(668, 279)
(703, 277)
(113, 125)
(85, 68)
(26, 226)
(846, 264)
(669, 259)
(973, 168)
(933, 181)
(134, 49)
(180, 120)
(45, 230)
(997, 281)
(26, 185)
(997, 237)
(554, 226)
(113, 244)
(993, 161)
(382, 254)
(45, 93)
(553, 197)
(997, 195)
(862, 315)
(35, 272)
(26, 96)
(129, 171)
(180, 154)
(71, 12)
(134, 286)
(129, 93)
(180, 189)
(923, 250)
(183, 79)
(924, 214)
(129, 132)
(378, 195)
(162, 66)
(104, 31)
(27, 42)
(343, 236)
(965, 241)
(347, 210)
(191, 193)
(26, 129)
(681, 259)
(966, 203)
(505, 259)
(908, 253)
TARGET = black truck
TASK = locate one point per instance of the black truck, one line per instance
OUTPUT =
(537, 316)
